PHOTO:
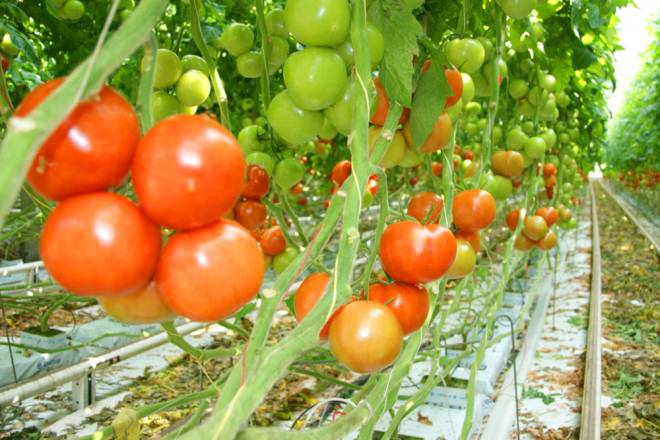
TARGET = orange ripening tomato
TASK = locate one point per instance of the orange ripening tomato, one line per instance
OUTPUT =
(415, 253)
(90, 151)
(455, 81)
(340, 172)
(188, 171)
(547, 242)
(208, 274)
(551, 182)
(535, 227)
(383, 106)
(523, 243)
(409, 303)
(473, 209)
(549, 169)
(250, 213)
(272, 241)
(466, 259)
(508, 163)
(366, 336)
(308, 295)
(100, 244)
(258, 183)
(474, 238)
(549, 214)
(426, 207)
(436, 140)
(143, 306)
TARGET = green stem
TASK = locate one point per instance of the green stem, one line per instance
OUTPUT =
(324, 377)
(145, 89)
(201, 355)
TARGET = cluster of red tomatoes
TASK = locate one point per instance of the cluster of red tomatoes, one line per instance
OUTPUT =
(366, 334)
(187, 173)
(536, 230)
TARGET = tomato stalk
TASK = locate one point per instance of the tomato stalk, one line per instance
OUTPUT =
(216, 81)
(201, 355)
(25, 135)
(145, 88)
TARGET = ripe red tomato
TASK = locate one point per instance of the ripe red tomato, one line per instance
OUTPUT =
(100, 244)
(92, 148)
(5, 63)
(549, 192)
(340, 172)
(474, 238)
(366, 336)
(143, 306)
(426, 205)
(209, 273)
(383, 106)
(188, 171)
(272, 241)
(250, 214)
(549, 169)
(436, 168)
(297, 189)
(415, 253)
(549, 214)
(551, 182)
(308, 295)
(372, 184)
(512, 219)
(410, 304)
(455, 82)
(258, 183)
(473, 209)
(437, 139)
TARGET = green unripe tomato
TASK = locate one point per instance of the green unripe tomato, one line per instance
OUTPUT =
(516, 139)
(455, 110)
(187, 110)
(411, 158)
(163, 105)
(497, 135)
(282, 261)
(237, 38)
(517, 9)
(499, 187)
(318, 22)
(563, 138)
(262, 159)
(249, 138)
(395, 151)
(289, 172)
(537, 96)
(250, 64)
(247, 121)
(275, 23)
(481, 86)
(548, 82)
(527, 161)
(473, 108)
(194, 62)
(466, 54)
(376, 47)
(535, 147)
(59, 3)
(518, 88)
(247, 104)
(340, 114)
(528, 127)
(574, 134)
(168, 68)
(563, 100)
(328, 131)
(124, 14)
(489, 49)
(471, 129)
(261, 121)
(550, 138)
(73, 10)
(315, 77)
(524, 108)
(292, 123)
(8, 47)
(193, 88)
(481, 123)
(277, 54)
(560, 126)
(468, 88)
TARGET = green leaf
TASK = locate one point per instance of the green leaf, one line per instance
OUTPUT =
(400, 29)
(583, 56)
(428, 103)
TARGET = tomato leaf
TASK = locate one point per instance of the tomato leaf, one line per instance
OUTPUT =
(432, 91)
(400, 29)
